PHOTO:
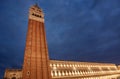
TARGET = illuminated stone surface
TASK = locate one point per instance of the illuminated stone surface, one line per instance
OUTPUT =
(36, 60)
(13, 74)
(80, 70)
(83, 70)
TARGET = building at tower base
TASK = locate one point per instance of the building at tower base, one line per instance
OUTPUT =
(74, 70)
(13, 74)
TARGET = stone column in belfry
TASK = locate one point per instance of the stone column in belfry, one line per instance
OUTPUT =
(36, 59)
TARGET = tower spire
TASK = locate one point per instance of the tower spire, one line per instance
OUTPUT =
(37, 2)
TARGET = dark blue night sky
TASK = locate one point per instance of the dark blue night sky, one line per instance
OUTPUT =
(77, 30)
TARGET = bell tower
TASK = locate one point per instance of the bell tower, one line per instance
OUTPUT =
(36, 58)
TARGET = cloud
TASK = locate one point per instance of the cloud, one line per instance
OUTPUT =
(85, 33)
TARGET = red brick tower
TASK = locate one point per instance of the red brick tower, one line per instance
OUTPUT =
(36, 60)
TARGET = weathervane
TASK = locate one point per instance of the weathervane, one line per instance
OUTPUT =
(37, 2)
